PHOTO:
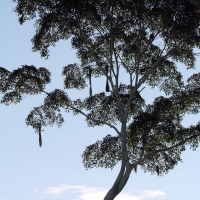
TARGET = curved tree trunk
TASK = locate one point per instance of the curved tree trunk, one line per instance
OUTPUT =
(125, 170)
(120, 182)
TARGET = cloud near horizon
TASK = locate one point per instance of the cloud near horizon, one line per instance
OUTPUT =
(90, 193)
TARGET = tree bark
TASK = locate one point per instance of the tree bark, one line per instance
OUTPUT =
(125, 170)
(120, 182)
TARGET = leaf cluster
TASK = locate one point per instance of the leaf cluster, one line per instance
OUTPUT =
(24, 80)
(50, 112)
(135, 24)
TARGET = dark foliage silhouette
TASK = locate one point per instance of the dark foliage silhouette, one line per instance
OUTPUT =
(144, 39)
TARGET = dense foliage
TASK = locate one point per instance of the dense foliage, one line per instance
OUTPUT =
(145, 39)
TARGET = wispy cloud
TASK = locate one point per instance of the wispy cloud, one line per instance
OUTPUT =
(90, 193)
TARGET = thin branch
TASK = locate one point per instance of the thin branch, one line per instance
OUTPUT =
(142, 80)
(109, 60)
(114, 89)
(141, 89)
(149, 155)
(28, 87)
(111, 42)
(117, 68)
(94, 56)
(123, 63)
(137, 73)
(95, 120)
(131, 80)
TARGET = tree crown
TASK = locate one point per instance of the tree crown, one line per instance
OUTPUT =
(145, 39)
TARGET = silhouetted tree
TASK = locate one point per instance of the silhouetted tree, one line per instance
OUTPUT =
(143, 38)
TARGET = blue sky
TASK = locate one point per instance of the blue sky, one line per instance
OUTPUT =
(55, 171)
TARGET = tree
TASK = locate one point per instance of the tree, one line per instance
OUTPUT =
(144, 39)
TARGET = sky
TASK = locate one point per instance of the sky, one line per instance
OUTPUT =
(55, 171)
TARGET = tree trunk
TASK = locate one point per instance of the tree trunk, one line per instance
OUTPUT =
(126, 167)
(120, 182)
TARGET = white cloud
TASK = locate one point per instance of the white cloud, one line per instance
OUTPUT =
(154, 193)
(90, 193)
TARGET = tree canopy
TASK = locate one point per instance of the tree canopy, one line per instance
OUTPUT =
(142, 38)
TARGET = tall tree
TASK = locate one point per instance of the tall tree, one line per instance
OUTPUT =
(142, 38)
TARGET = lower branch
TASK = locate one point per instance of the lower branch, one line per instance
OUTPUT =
(95, 120)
